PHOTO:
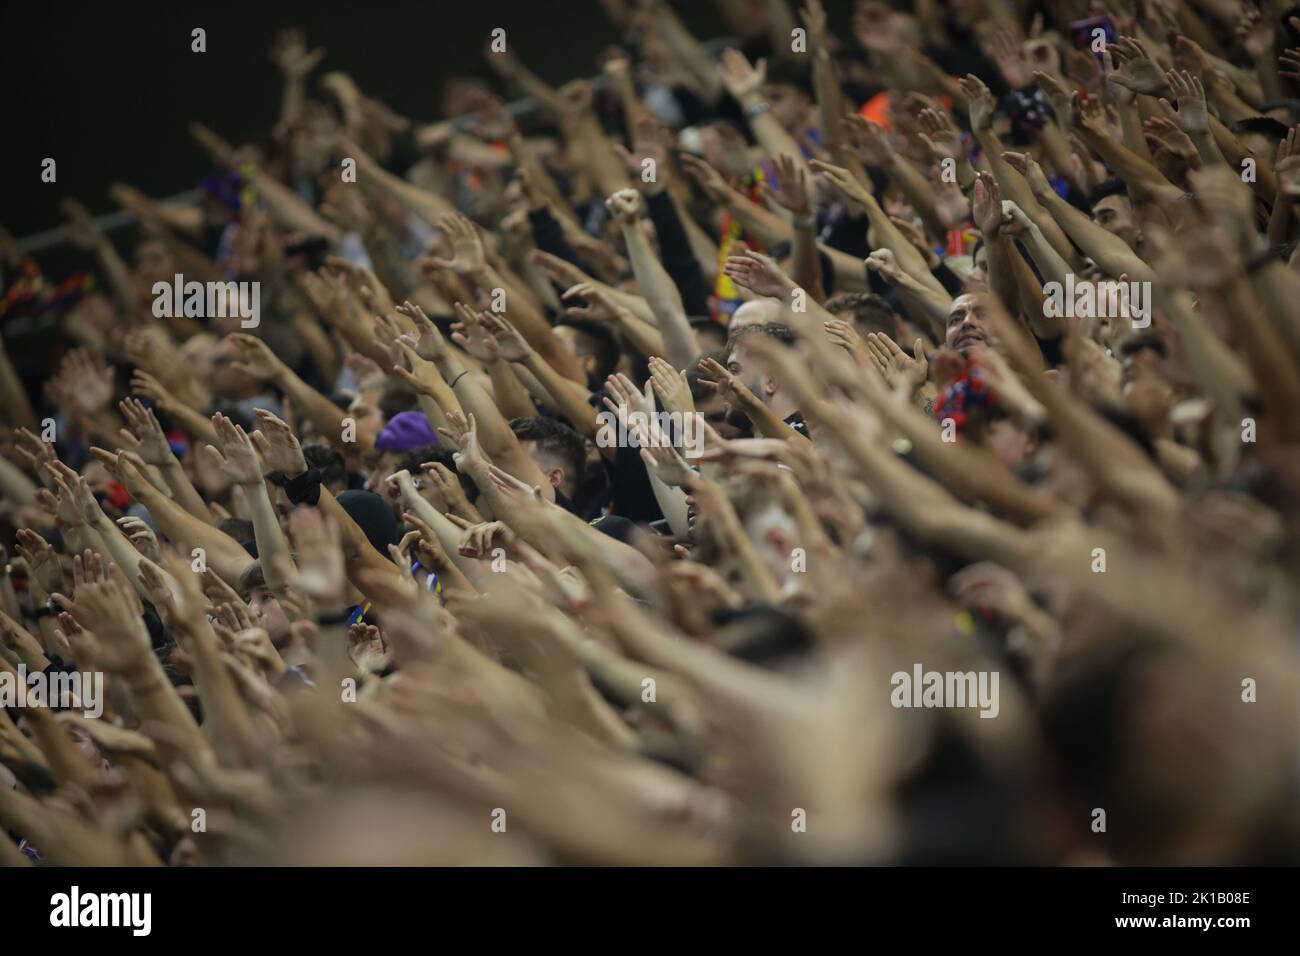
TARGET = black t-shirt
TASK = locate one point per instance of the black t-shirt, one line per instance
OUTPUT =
(563, 501)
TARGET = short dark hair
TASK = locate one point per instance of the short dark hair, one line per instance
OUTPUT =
(232, 410)
(782, 333)
(790, 73)
(1264, 126)
(701, 392)
(869, 310)
(597, 341)
(416, 457)
(1111, 187)
(238, 528)
(396, 399)
(553, 438)
(328, 461)
(438, 455)
(250, 579)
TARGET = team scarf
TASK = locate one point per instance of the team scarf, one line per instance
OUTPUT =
(726, 294)
(968, 392)
(31, 295)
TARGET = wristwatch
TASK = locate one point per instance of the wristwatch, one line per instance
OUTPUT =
(758, 109)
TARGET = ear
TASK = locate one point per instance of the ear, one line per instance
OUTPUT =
(770, 386)
(556, 477)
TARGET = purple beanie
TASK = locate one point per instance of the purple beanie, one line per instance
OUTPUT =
(406, 431)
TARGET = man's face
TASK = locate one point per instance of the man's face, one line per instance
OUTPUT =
(153, 263)
(270, 616)
(789, 105)
(1011, 445)
(1257, 144)
(724, 150)
(1066, 479)
(383, 465)
(580, 346)
(714, 410)
(751, 372)
(967, 322)
(1148, 396)
(1115, 215)
(364, 410)
(550, 465)
(99, 313)
(198, 353)
(978, 278)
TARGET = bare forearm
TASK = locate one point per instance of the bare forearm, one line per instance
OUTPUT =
(183, 490)
(198, 427)
(510, 394)
(290, 211)
(1141, 177)
(391, 266)
(1276, 375)
(566, 394)
(424, 204)
(806, 264)
(643, 336)
(1108, 251)
(532, 325)
(272, 546)
(597, 156)
(885, 233)
(156, 699)
(17, 487)
(665, 301)
(1015, 188)
(224, 554)
(325, 416)
(771, 135)
(226, 718)
(17, 410)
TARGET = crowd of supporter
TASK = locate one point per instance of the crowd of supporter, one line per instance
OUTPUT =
(869, 438)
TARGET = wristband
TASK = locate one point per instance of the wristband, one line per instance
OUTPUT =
(304, 489)
(809, 222)
(462, 374)
(758, 109)
(334, 620)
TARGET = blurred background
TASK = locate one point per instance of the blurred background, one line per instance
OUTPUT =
(108, 90)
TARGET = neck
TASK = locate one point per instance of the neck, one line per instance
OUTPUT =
(782, 407)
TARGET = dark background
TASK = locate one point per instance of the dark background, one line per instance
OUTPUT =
(108, 89)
